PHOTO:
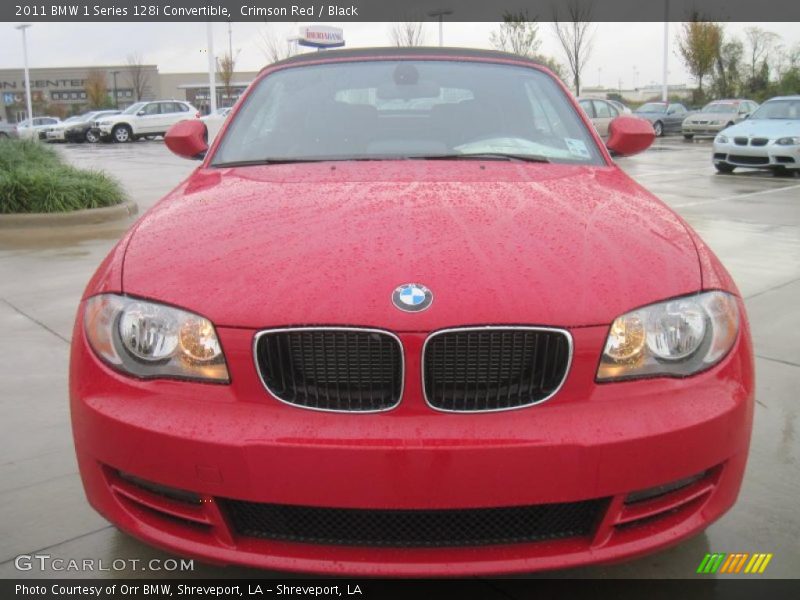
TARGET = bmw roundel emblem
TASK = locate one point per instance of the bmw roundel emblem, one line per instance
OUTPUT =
(412, 297)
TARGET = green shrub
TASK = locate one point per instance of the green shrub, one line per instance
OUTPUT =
(34, 179)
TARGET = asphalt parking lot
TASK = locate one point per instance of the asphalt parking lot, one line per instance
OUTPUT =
(750, 219)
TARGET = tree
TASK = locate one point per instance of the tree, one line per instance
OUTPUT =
(407, 34)
(699, 45)
(575, 37)
(759, 43)
(728, 74)
(226, 67)
(96, 89)
(520, 35)
(138, 75)
(276, 46)
(517, 34)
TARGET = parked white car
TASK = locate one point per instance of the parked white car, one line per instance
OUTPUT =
(214, 122)
(29, 129)
(768, 139)
(144, 119)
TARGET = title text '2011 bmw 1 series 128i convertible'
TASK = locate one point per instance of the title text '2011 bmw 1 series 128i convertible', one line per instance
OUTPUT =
(408, 317)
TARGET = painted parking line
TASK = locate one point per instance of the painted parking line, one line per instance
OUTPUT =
(736, 196)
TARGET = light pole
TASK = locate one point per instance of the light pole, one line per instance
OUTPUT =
(22, 28)
(664, 86)
(116, 98)
(441, 13)
(212, 71)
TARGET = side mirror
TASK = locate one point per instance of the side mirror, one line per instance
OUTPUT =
(629, 135)
(140, 113)
(188, 139)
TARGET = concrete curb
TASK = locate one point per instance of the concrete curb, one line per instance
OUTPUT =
(88, 216)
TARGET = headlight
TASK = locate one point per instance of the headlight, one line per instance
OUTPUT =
(788, 141)
(721, 139)
(151, 340)
(715, 122)
(675, 338)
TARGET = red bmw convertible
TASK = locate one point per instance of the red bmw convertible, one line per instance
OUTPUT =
(407, 317)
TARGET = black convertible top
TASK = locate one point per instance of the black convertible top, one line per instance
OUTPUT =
(394, 52)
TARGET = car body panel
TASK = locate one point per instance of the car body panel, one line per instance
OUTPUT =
(382, 227)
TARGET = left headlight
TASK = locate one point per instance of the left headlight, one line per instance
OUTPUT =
(675, 338)
(151, 340)
(788, 141)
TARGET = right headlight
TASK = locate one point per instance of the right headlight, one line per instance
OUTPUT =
(675, 338)
(151, 340)
(721, 139)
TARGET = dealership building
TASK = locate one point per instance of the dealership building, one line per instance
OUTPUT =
(62, 91)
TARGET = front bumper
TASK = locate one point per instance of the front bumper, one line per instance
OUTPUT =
(55, 135)
(236, 442)
(765, 157)
(702, 129)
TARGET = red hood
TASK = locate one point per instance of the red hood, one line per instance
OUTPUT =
(327, 243)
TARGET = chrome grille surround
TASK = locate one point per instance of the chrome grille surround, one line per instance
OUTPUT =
(345, 329)
(491, 328)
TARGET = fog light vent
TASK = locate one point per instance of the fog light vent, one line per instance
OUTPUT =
(662, 490)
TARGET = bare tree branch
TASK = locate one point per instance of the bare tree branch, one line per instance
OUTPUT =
(760, 43)
(138, 75)
(226, 67)
(407, 34)
(575, 36)
(275, 45)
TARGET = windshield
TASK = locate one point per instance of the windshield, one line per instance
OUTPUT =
(73, 119)
(720, 107)
(406, 109)
(133, 108)
(778, 109)
(655, 107)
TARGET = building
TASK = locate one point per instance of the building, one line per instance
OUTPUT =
(65, 91)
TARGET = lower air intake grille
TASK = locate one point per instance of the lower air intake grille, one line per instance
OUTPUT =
(338, 369)
(749, 160)
(494, 368)
(414, 528)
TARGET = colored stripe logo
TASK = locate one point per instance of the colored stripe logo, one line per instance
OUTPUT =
(741, 562)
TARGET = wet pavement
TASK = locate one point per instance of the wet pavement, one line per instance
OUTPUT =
(750, 219)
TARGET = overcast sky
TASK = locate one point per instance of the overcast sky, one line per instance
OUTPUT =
(623, 53)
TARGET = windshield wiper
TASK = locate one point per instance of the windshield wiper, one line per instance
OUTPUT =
(267, 161)
(471, 156)
(534, 158)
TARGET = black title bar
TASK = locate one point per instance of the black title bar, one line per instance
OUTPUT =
(398, 10)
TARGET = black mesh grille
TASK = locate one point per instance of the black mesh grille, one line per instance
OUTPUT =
(414, 528)
(749, 160)
(740, 141)
(332, 369)
(759, 141)
(492, 369)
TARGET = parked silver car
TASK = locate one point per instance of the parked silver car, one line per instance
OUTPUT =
(7, 130)
(769, 139)
(665, 117)
(716, 116)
